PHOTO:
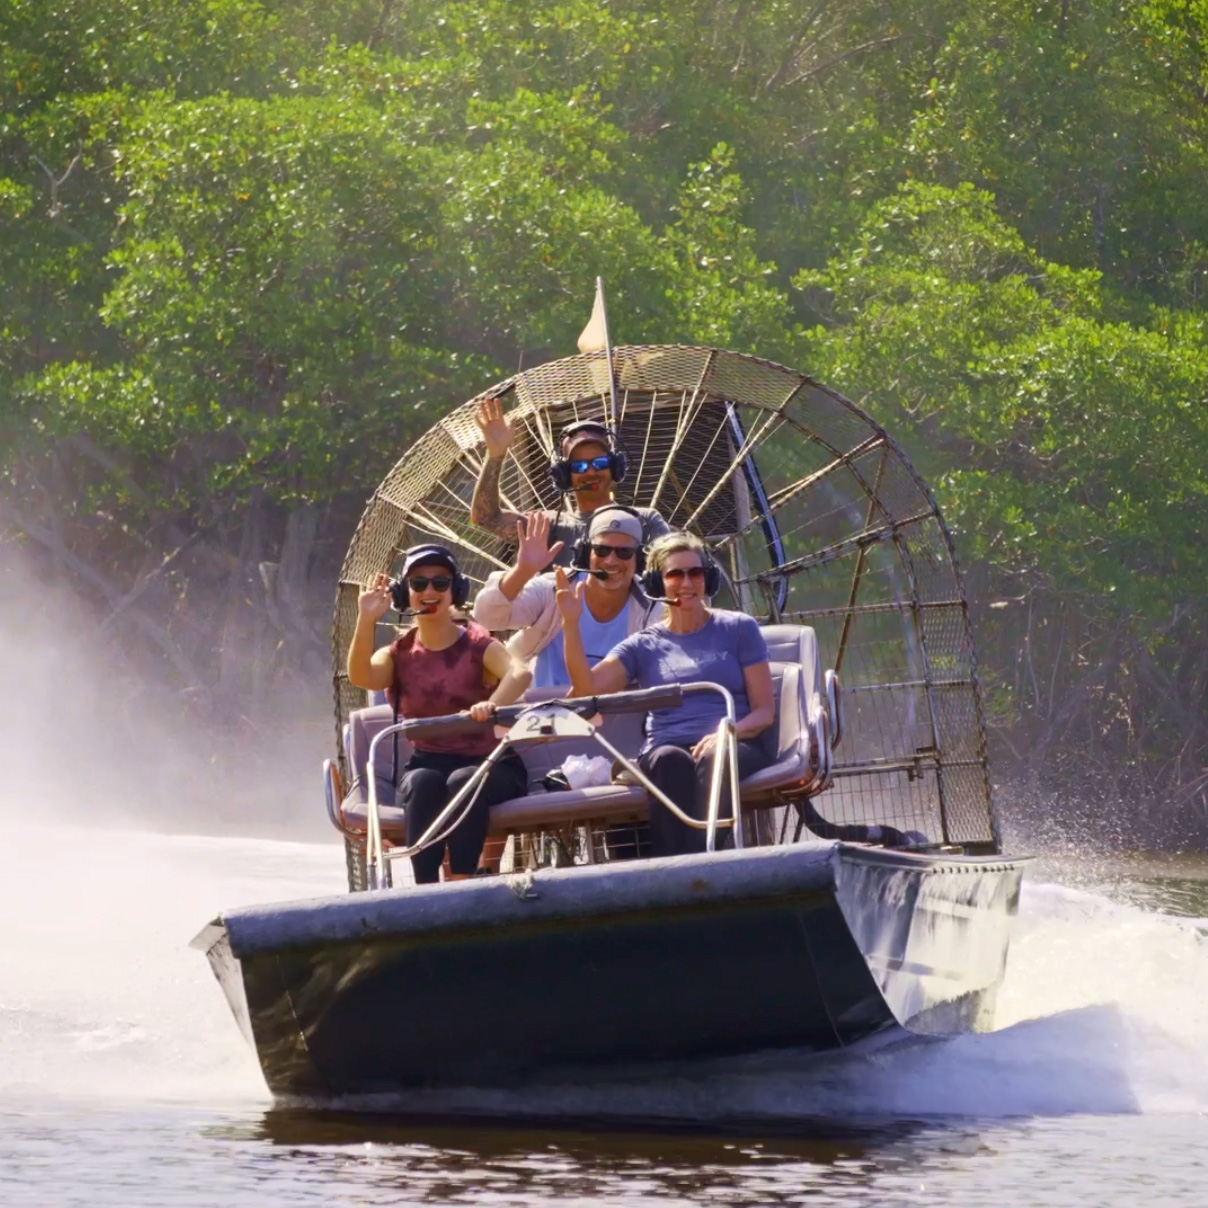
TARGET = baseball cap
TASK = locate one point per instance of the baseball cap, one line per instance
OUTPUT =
(581, 433)
(427, 555)
(614, 520)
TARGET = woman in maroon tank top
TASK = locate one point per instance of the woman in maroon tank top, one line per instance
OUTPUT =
(434, 668)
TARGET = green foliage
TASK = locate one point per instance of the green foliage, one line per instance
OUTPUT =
(293, 278)
(250, 248)
(720, 292)
(54, 49)
(1066, 446)
(1066, 112)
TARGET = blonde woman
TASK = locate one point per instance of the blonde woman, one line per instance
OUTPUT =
(693, 643)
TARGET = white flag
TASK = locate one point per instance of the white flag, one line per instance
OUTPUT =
(594, 337)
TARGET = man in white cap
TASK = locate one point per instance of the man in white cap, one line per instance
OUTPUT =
(586, 470)
(522, 598)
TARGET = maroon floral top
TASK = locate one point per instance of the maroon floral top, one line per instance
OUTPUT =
(431, 682)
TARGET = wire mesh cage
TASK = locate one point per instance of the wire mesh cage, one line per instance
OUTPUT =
(815, 516)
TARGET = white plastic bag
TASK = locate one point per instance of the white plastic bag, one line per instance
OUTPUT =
(582, 771)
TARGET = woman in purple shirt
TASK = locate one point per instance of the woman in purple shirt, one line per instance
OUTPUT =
(693, 643)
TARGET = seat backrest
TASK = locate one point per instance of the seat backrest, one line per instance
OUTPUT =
(363, 726)
(796, 644)
(789, 732)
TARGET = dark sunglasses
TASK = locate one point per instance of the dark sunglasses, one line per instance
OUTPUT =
(603, 462)
(693, 572)
(421, 582)
(624, 552)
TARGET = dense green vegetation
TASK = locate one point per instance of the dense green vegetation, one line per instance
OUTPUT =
(248, 250)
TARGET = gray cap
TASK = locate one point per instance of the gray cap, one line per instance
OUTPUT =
(613, 519)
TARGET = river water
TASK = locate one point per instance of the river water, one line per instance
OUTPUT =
(124, 1081)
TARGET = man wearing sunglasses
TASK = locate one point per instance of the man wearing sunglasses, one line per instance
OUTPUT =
(522, 598)
(586, 472)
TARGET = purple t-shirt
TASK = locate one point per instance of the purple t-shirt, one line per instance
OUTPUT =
(718, 652)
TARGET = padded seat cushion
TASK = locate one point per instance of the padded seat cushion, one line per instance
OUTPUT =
(537, 809)
(568, 805)
(784, 773)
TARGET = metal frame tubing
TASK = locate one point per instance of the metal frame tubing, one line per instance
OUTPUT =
(724, 749)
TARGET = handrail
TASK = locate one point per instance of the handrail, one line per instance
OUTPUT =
(641, 700)
(724, 749)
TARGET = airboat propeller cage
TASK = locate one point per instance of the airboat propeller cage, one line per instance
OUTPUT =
(813, 513)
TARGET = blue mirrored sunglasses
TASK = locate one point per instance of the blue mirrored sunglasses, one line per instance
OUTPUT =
(603, 462)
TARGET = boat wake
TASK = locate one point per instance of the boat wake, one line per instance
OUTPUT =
(1104, 1008)
(101, 999)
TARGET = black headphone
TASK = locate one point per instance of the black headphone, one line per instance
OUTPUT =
(439, 554)
(652, 580)
(618, 462)
(581, 555)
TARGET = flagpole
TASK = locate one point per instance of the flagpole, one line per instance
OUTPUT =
(595, 338)
(612, 377)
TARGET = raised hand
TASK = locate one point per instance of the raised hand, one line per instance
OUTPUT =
(533, 551)
(568, 599)
(495, 429)
(375, 601)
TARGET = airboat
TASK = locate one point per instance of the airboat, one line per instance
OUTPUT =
(855, 888)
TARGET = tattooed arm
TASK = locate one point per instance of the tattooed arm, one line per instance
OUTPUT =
(485, 509)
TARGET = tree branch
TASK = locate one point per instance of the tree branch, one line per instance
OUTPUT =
(53, 543)
(157, 573)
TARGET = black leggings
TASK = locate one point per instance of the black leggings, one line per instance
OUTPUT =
(429, 782)
(686, 781)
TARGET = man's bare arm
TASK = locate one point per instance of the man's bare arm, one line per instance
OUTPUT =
(485, 509)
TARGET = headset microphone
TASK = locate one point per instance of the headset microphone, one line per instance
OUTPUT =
(595, 574)
(416, 612)
(666, 600)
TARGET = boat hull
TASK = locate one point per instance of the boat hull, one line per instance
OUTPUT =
(501, 981)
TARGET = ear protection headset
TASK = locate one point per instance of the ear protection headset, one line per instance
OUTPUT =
(652, 580)
(618, 462)
(439, 554)
(581, 556)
